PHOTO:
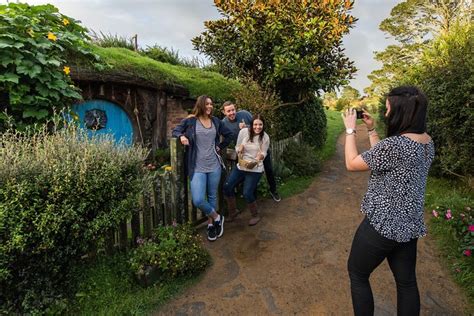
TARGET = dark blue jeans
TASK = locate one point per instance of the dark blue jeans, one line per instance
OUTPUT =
(250, 180)
(368, 251)
(267, 165)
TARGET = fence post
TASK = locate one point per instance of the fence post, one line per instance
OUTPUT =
(180, 182)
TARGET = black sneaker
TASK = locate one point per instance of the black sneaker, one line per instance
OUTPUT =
(219, 225)
(275, 196)
(211, 233)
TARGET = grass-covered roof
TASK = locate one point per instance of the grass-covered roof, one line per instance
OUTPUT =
(196, 80)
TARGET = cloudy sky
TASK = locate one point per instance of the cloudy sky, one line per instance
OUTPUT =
(173, 23)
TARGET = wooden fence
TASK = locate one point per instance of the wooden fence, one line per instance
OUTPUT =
(166, 199)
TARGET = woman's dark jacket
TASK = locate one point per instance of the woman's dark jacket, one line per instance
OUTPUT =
(187, 128)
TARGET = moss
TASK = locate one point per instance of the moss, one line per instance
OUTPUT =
(196, 80)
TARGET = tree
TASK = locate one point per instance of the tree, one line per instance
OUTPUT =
(350, 93)
(330, 99)
(292, 47)
(413, 23)
(445, 74)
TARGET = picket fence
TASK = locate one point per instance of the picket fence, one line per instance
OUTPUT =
(166, 199)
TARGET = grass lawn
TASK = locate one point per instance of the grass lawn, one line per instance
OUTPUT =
(106, 287)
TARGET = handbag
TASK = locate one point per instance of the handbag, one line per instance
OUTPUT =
(246, 163)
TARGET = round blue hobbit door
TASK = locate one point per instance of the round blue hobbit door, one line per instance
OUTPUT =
(103, 117)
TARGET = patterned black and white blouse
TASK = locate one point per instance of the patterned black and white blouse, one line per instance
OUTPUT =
(396, 191)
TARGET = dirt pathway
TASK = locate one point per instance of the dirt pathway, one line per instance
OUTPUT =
(294, 260)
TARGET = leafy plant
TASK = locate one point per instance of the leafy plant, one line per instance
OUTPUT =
(36, 43)
(173, 250)
(301, 159)
(60, 192)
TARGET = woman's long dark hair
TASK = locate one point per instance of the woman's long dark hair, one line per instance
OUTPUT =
(200, 106)
(252, 132)
(408, 106)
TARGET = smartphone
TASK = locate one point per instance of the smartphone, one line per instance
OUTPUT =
(360, 114)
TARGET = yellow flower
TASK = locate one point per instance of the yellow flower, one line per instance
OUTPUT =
(168, 168)
(67, 70)
(52, 37)
(65, 21)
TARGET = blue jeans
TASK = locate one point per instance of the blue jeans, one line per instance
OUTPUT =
(250, 183)
(203, 183)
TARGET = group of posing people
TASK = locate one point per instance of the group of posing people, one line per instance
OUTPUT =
(393, 204)
(205, 136)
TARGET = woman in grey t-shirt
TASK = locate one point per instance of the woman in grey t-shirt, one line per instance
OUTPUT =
(393, 203)
(201, 133)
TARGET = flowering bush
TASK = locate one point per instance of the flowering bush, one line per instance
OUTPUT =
(173, 250)
(36, 44)
(462, 224)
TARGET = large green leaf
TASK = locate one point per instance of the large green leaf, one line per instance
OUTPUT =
(29, 69)
(31, 112)
(10, 77)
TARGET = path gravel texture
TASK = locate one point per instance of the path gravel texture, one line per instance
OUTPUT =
(294, 261)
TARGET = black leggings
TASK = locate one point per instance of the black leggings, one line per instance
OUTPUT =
(368, 251)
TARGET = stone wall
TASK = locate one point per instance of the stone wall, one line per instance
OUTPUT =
(177, 110)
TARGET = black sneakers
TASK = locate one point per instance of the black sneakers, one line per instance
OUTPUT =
(216, 230)
(219, 225)
(211, 233)
(275, 196)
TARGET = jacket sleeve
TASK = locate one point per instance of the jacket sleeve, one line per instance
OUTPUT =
(227, 135)
(180, 129)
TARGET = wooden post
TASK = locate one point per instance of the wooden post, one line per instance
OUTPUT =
(135, 227)
(123, 235)
(180, 183)
(167, 197)
(146, 209)
(158, 201)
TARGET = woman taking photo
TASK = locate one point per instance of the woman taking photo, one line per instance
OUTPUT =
(200, 132)
(252, 146)
(393, 203)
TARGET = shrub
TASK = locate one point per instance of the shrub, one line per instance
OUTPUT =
(445, 75)
(36, 42)
(60, 192)
(301, 159)
(308, 118)
(173, 251)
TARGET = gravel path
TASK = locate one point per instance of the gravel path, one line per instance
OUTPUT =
(294, 261)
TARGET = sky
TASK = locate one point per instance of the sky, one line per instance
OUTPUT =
(173, 23)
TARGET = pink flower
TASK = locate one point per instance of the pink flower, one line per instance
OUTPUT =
(435, 214)
(448, 214)
(471, 228)
(467, 252)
